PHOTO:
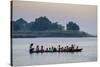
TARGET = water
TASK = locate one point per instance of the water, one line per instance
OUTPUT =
(22, 57)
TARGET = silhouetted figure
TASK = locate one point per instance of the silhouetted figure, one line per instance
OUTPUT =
(50, 49)
(31, 49)
(77, 47)
(37, 48)
(42, 50)
(46, 50)
(67, 47)
(62, 49)
(31, 45)
(58, 48)
(54, 49)
(72, 47)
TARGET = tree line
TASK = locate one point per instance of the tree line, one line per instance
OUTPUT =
(42, 24)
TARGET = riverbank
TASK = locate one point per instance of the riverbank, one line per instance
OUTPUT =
(34, 34)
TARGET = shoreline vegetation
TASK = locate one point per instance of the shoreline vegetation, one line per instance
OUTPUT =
(43, 27)
(50, 34)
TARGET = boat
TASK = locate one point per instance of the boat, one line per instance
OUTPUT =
(47, 51)
(60, 49)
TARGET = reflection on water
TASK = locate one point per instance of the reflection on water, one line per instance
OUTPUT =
(21, 54)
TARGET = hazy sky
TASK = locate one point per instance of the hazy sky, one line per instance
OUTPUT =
(84, 15)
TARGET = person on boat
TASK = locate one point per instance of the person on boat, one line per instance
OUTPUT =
(37, 48)
(67, 47)
(46, 50)
(42, 48)
(31, 48)
(62, 49)
(59, 48)
(77, 47)
(72, 47)
(52, 48)
(31, 45)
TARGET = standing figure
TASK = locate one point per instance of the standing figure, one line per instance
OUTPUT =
(31, 45)
(58, 48)
(31, 49)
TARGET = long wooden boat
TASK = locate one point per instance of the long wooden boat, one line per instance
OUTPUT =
(47, 51)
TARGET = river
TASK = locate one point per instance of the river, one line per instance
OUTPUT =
(21, 56)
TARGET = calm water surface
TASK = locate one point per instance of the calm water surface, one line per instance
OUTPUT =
(22, 57)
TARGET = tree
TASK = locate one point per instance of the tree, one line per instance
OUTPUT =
(14, 26)
(56, 26)
(72, 26)
(41, 24)
(19, 25)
